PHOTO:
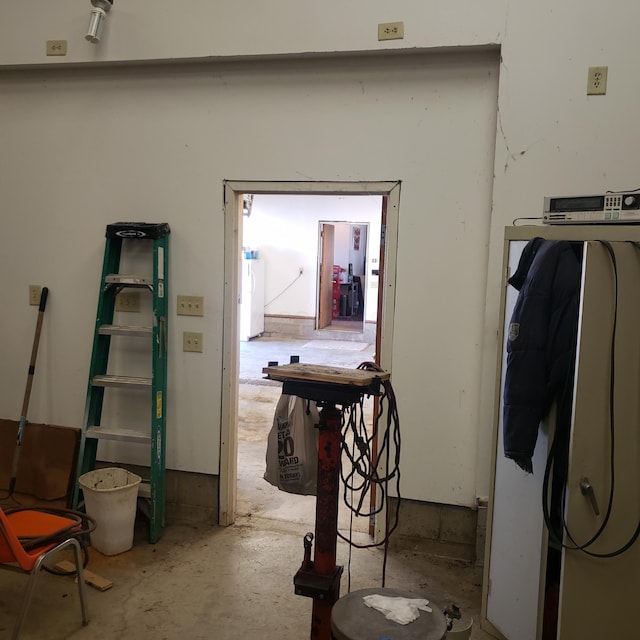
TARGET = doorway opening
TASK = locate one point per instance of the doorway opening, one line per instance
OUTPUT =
(280, 291)
(343, 257)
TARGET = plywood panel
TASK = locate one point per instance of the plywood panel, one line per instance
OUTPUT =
(47, 458)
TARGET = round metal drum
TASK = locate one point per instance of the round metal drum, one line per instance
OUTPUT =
(352, 619)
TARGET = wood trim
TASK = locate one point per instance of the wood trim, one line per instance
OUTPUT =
(233, 190)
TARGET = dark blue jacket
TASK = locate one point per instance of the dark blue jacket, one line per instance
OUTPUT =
(541, 344)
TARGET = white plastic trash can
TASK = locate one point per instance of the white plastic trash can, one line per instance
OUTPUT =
(110, 498)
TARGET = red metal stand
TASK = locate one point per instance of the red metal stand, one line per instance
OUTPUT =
(320, 579)
(327, 386)
(324, 559)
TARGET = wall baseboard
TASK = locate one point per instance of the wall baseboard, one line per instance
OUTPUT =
(303, 328)
(445, 531)
(441, 530)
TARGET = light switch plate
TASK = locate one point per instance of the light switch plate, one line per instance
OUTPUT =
(190, 306)
(35, 291)
(192, 341)
(128, 301)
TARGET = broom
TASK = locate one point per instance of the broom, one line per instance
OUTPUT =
(27, 392)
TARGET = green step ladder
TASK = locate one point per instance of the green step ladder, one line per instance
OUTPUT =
(121, 238)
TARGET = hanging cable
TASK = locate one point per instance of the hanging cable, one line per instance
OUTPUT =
(286, 288)
(516, 220)
(362, 473)
(554, 532)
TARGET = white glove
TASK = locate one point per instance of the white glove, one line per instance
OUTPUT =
(400, 610)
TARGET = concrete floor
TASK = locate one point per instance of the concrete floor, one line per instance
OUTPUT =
(217, 583)
(235, 582)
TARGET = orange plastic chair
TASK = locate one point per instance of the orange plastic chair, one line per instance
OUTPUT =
(31, 524)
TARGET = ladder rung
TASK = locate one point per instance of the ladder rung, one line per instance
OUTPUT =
(117, 330)
(144, 489)
(121, 381)
(124, 435)
(130, 281)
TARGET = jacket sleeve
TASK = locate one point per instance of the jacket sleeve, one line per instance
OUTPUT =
(539, 346)
(525, 390)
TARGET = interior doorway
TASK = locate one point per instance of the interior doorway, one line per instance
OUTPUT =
(342, 286)
(279, 275)
(234, 241)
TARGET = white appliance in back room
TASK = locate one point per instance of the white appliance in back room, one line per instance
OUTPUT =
(252, 297)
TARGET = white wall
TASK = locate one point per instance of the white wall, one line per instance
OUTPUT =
(550, 138)
(557, 140)
(150, 30)
(157, 143)
(285, 231)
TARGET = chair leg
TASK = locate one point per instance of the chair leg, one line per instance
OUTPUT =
(82, 589)
(77, 552)
(33, 576)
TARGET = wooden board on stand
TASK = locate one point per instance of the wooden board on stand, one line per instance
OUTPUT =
(325, 374)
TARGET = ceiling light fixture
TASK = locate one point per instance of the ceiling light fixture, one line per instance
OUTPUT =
(96, 21)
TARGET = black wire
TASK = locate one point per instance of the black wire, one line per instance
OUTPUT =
(285, 289)
(517, 219)
(363, 468)
(612, 384)
(361, 475)
(556, 535)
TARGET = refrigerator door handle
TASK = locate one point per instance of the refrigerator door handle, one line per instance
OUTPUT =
(587, 490)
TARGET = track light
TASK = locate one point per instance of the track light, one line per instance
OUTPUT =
(96, 21)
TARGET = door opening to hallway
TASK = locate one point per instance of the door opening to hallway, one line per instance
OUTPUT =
(343, 275)
(294, 330)
(279, 233)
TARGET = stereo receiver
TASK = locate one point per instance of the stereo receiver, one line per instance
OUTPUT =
(604, 209)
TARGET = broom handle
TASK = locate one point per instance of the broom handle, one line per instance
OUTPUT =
(34, 351)
(27, 393)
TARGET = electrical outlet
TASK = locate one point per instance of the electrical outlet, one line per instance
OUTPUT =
(597, 81)
(128, 301)
(391, 31)
(34, 294)
(190, 306)
(56, 47)
(192, 341)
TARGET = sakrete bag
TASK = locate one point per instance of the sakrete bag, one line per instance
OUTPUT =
(292, 446)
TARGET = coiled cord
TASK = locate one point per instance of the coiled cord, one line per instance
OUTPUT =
(361, 476)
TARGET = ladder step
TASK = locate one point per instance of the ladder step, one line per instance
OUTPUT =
(130, 281)
(144, 489)
(121, 381)
(117, 330)
(123, 435)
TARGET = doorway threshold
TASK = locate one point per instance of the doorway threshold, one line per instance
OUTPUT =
(344, 332)
(339, 334)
